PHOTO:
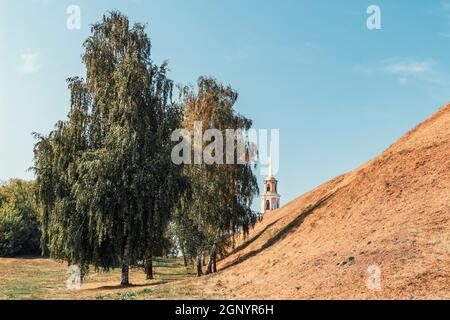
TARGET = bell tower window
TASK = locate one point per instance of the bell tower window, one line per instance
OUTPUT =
(270, 198)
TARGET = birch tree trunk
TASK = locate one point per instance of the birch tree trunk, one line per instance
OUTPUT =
(199, 266)
(149, 267)
(125, 275)
(125, 267)
(215, 263)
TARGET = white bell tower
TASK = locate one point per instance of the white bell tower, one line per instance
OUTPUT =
(270, 198)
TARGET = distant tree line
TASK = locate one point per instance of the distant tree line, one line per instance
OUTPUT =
(109, 194)
(19, 219)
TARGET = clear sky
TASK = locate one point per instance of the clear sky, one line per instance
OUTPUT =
(339, 93)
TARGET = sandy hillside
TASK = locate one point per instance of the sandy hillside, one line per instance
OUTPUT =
(392, 212)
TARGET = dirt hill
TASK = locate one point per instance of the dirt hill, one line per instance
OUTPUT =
(393, 213)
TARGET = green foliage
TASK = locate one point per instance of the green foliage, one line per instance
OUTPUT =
(218, 202)
(105, 176)
(19, 219)
(128, 295)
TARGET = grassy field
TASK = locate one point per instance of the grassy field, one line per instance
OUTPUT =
(39, 278)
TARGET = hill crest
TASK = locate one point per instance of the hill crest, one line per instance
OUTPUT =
(392, 212)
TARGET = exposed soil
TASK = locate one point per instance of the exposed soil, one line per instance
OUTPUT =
(393, 213)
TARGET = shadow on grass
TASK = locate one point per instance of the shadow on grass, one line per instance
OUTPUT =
(131, 286)
(253, 239)
(25, 257)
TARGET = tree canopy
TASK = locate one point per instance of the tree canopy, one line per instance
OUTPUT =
(104, 178)
(219, 201)
(110, 193)
(19, 219)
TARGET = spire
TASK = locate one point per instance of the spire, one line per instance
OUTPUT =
(270, 160)
(270, 199)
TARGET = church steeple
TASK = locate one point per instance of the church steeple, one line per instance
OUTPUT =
(270, 161)
(270, 198)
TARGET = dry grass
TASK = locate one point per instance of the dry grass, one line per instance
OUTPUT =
(39, 278)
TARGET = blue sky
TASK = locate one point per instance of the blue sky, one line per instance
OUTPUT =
(339, 93)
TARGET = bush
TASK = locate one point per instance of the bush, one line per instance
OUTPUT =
(19, 219)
